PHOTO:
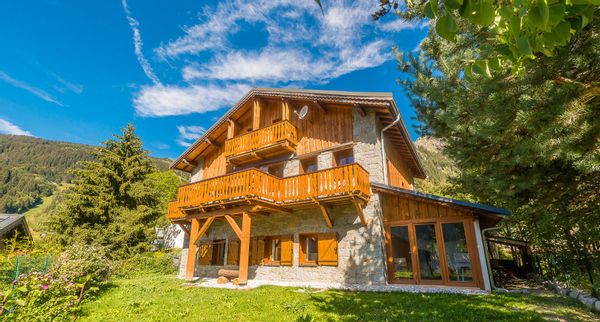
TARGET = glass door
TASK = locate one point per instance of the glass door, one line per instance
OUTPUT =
(428, 252)
(458, 260)
(402, 254)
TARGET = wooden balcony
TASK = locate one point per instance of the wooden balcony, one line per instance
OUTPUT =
(345, 183)
(278, 138)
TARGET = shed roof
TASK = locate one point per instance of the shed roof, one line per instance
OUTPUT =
(10, 221)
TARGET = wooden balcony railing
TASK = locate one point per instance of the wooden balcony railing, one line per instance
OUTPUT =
(173, 211)
(279, 137)
(329, 184)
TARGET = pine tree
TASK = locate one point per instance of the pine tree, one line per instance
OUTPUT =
(113, 200)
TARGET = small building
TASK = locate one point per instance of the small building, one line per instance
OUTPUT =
(12, 225)
(317, 186)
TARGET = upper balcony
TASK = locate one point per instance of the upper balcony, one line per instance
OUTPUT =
(275, 139)
(345, 183)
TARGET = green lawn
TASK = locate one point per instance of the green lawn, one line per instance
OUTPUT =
(165, 298)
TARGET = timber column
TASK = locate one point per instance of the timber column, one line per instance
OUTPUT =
(244, 248)
(191, 261)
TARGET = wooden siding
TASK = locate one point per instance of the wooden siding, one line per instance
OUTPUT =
(398, 208)
(399, 174)
(321, 130)
(215, 164)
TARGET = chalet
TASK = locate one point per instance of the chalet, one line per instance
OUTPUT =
(317, 186)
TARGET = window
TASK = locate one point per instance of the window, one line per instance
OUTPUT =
(318, 249)
(212, 253)
(276, 250)
(308, 165)
(343, 157)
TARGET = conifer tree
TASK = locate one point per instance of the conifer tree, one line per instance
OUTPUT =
(112, 201)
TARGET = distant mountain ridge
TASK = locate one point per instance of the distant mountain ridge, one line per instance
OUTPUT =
(31, 168)
(439, 167)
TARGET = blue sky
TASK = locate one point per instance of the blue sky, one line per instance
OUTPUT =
(79, 71)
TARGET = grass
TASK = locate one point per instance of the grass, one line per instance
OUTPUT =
(37, 214)
(165, 298)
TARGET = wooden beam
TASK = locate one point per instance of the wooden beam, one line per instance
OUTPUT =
(244, 249)
(222, 212)
(360, 109)
(361, 215)
(184, 228)
(325, 213)
(256, 114)
(204, 228)
(319, 106)
(285, 110)
(190, 163)
(234, 226)
(211, 143)
(192, 249)
(231, 125)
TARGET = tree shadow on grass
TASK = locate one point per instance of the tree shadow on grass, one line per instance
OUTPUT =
(399, 306)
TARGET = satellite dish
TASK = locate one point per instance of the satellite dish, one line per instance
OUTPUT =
(303, 112)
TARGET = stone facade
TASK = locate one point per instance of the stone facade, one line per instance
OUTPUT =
(367, 150)
(198, 172)
(291, 168)
(359, 249)
(325, 160)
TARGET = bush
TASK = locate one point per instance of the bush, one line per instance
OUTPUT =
(159, 262)
(56, 295)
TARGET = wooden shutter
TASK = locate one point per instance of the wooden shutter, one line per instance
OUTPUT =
(254, 256)
(287, 251)
(328, 250)
(302, 249)
(233, 252)
(205, 253)
(260, 251)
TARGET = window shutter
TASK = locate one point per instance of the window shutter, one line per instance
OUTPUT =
(254, 256)
(328, 250)
(287, 250)
(260, 252)
(205, 253)
(302, 249)
(233, 253)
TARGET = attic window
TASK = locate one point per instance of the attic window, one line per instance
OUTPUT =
(343, 157)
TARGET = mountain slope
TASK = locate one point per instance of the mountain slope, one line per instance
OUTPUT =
(32, 168)
(439, 167)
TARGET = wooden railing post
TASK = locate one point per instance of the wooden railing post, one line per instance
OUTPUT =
(244, 249)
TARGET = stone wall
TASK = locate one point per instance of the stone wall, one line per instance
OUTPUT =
(359, 250)
(367, 150)
(198, 172)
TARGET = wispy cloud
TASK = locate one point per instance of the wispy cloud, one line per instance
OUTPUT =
(66, 85)
(303, 46)
(189, 134)
(138, 44)
(7, 127)
(162, 100)
(31, 89)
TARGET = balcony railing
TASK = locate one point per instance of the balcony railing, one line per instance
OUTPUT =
(327, 185)
(173, 211)
(271, 140)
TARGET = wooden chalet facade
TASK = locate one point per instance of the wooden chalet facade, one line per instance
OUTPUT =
(321, 197)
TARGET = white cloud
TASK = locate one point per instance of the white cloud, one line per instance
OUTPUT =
(138, 44)
(163, 100)
(65, 85)
(397, 25)
(189, 134)
(31, 89)
(9, 128)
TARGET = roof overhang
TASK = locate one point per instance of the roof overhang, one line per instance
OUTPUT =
(471, 206)
(383, 104)
(8, 222)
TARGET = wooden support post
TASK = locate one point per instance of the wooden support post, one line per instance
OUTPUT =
(325, 214)
(234, 226)
(244, 249)
(230, 128)
(185, 230)
(191, 260)
(204, 228)
(320, 106)
(285, 110)
(359, 209)
(256, 115)
(211, 143)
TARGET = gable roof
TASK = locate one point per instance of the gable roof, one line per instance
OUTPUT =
(10, 221)
(444, 200)
(382, 102)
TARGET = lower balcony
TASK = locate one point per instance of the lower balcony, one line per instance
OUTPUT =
(349, 183)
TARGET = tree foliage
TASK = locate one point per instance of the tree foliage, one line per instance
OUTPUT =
(116, 199)
(529, 143)
(517, 31)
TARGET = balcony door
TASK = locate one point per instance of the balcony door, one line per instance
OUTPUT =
(432, 253)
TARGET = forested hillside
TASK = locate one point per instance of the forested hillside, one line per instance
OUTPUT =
(439, 167)
(31, 168)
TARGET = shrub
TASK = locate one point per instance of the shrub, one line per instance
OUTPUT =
(56, 295)
(159, 262)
